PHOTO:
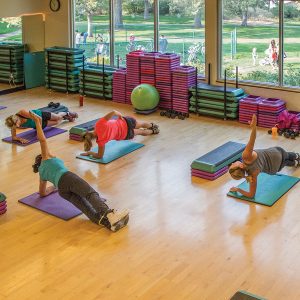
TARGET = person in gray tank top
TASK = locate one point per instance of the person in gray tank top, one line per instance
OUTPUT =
(270, 161)
(72, 187)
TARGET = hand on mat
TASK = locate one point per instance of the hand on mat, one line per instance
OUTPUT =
(253, 121)
(84, 154)
(234, 189)
(22, 141)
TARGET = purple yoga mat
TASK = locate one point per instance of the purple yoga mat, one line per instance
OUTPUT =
(2, 107)
(209, 176)
(52, 204)
(31, 135)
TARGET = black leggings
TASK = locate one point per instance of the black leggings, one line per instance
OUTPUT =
(77, 191)
(288, 158)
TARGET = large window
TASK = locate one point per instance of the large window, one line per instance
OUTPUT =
(180, 29)
(261, 38)
(291, 44)
(134, 27)
(11, 29)
(92, 29)
(250, 38)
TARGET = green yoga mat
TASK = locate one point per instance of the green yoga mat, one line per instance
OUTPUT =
(113, 150)
(214, 113)
(243, 295)
(270, 188)
(2, 197)
(216, 90)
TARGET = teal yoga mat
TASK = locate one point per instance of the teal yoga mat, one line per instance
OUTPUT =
(113, 151)
(270, 188)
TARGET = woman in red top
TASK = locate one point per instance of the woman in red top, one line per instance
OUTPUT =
(122, 128)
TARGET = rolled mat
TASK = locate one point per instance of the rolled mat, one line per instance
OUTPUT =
(2, 197)
(31, 135)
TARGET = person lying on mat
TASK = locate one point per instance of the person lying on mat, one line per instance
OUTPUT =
(269, 161)
(122, 128)
(71, 187)
(23, 120)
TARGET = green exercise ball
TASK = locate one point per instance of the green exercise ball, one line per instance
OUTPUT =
(144, 97)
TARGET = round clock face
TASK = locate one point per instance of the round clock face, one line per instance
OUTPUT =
(54, 5)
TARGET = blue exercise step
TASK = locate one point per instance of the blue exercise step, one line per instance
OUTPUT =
(219, 157)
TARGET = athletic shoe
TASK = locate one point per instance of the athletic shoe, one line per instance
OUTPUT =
(71, 116)
(115, 220)
(155, 130)
(297, 160)
(153, 126)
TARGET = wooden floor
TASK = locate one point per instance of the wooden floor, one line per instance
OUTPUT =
(185, 240)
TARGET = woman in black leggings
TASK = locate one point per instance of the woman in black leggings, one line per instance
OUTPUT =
(73, 188)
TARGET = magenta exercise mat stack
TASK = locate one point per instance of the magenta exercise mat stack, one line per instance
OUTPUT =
(133, 77)
(183, 77)
(148, 67)
(164, 65)
(119, 86)
(269, 110)
(247, 107)
(3, 204)
(208, 175)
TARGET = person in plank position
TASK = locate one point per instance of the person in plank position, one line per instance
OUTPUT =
(71, 187)
(23, 120)
(121, 128)
(270, 161)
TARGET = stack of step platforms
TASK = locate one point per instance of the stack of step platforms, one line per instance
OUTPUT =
(76, 133)
(210, 100)
(96, 81)
(269, 110)
(119, 86)
(164, 65)
(62, 68)
(12, 63)
(248, 107)
(148, 67)
(133, 77)
(183, 78)
(215, 163)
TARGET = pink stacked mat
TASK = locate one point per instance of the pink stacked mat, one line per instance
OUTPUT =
(269, 110)
(164, 64)
(119, 86)
(133, 77)
(208, 175)
(183, 77)
(148, 67)
(248, 107)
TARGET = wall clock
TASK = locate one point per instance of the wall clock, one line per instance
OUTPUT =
(54, 5)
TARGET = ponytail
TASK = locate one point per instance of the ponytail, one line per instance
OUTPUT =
(37, 163)
(88, 138)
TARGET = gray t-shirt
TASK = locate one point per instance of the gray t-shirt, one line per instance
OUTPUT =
(268, 161)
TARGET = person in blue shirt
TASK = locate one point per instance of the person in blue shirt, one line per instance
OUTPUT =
(72, 187)
(22, 119)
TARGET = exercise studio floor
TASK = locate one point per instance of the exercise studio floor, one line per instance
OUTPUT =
(185, 238)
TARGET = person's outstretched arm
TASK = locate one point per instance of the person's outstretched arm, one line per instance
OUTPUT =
(41, 136)
(43, 189)
(248, 154)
